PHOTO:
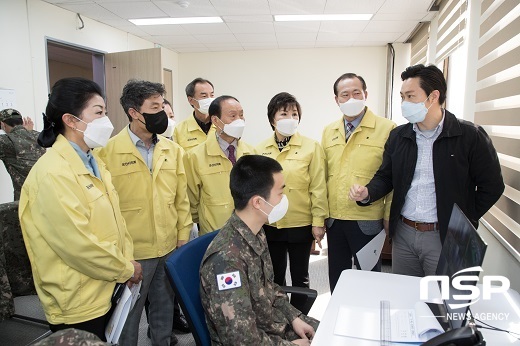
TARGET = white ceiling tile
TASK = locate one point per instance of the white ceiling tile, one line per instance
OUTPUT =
(241, 7)
(379, 36)
(353, 6)
(191, 50)
(62, 2)
(406, 6)
(133, 10)
(297, 6)
(258, 44)
(163, 29)
(198, 8)
(92, 11)
(135, 30)
(309, 44)
(221, 44)
(267, 47)
(350, 26)
(269, 38)
(296, 37)
(248, 19)
(206, 29)
(310, 26)
(179, 39)
(341, 37)
(390, 26)
(416, 16)
(369, 44)
(332, 44)
(251, 28)
(220, 38)
(223, 49)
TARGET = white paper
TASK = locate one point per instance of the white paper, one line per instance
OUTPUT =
(7, 98)
(117, 320)
(194, 232)
(370, 253)
(406, 325)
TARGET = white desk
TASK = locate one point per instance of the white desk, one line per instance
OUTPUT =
(367, 289)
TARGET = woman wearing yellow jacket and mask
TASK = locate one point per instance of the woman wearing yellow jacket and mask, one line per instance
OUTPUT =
(73, 230)
(303, 162)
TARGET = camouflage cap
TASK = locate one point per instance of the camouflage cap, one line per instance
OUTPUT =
(9, 113)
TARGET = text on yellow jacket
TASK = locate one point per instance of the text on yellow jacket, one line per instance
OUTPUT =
(355, 162)
(154, 204)
(208, 183)
(75, 236)
(303, 163)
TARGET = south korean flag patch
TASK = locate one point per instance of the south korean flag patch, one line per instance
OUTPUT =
(228, 281)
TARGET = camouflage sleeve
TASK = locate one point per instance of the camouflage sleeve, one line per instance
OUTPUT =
(230, 312)
(282, 303)
(6, 147)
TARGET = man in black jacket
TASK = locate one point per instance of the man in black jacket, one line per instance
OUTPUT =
(431, 163)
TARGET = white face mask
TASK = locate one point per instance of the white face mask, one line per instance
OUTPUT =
(204, 104)
(98, 132)
(414, 112)
(278, 211)
(287, 127)
(169, 130)
(234, 129)
(353, 106)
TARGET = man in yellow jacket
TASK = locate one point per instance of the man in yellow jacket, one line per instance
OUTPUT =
(148, 173)
(195, 129)
(209, 164)
(353, 148)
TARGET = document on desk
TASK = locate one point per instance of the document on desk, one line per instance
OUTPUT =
(406, 325)
(370, 253)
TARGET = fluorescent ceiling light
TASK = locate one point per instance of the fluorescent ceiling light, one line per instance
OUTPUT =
(185, 20)
(320, 17)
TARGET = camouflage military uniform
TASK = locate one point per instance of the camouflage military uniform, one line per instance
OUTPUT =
(71, 337)
(19, 151)
(257, 312)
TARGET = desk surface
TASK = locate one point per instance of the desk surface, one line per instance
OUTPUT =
(366, 289)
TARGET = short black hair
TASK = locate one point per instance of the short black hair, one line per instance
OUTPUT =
(135, 92)
(190, 88)
(430, 79)
(283, 101)
(349, 76)
(252, 175)
(13, 122)
(215, 108)
(166, 102)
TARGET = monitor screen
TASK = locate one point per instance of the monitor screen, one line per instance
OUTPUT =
(463, 248)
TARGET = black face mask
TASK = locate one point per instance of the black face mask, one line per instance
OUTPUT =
(156, 122)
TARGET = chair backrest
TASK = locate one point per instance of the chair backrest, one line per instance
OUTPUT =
(182, 268)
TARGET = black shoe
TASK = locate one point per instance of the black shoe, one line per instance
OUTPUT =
(180, 324)
(174, 340)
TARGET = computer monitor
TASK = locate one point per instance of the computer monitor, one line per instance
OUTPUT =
(463, 248)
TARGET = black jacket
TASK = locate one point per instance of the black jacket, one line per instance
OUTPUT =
(465, 167)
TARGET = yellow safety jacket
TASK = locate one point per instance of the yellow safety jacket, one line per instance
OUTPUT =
(75, 236)
(208, 183)
(155, 204)
(355, 162)
(188, 133)
(303, 162)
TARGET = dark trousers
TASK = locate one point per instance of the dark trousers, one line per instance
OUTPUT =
(299, 251)
(176, 308)
(345, 239)
(95, 326)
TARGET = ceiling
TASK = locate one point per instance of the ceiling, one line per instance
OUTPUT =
(249, 24)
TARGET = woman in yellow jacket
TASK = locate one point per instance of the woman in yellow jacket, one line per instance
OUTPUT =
(303, 162)
(73, 230)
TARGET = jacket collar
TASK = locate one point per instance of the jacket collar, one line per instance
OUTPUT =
(296, 139)
(369, 120)
(65, 150)
(256, 242)
(450, 128)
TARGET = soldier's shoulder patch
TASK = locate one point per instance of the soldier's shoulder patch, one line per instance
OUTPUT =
(228, 281)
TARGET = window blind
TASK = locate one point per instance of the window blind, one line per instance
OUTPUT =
(451, 27)
(419, 44)
(498, 107)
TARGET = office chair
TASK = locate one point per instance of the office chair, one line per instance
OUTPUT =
(182, 269)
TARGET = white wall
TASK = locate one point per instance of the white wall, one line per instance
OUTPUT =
(254, 77)
(24, 26)
(401, 62)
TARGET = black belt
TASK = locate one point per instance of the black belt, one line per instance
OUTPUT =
(421, 226)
